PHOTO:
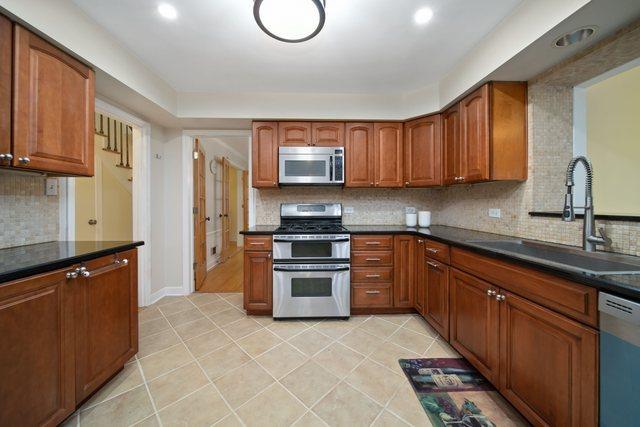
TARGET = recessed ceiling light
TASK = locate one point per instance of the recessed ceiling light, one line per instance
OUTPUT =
(575, 36)
(291, 21)
(423, 15)
(167, 11)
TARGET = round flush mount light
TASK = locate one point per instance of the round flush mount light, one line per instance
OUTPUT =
(575, 36)
(423, 16)
(167, 11)
(290, 21)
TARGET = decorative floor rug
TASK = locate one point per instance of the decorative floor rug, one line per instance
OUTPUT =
(453, 393)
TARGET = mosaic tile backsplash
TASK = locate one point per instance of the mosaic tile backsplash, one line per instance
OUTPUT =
(26, 215)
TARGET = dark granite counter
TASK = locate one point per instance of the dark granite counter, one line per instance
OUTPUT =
(28, 260)
(625, 285)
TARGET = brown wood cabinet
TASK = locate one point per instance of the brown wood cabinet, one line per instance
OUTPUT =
(53, 108)
(264, 155)
(327, 134)
(359, 153)
(258, 279)
(6, 38)
(405, 270)
(37, 359)
(294, 134)
(474, 322)
(436, 295)
(372, 272)
(548, 364)
(106, 319)
(388, 155)
(491, 142)
(423, 152)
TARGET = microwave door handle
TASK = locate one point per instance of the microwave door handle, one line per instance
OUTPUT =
(331, 168)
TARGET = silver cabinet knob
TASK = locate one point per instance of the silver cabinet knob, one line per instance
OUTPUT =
(3, 157)
(500, 298)
(491, 292)
(406, 183)
(24, 160)
(84, 272)
(72, 274)
(6, 156)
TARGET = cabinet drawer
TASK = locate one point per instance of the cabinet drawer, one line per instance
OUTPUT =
(436, 250)
(571, 299)
(372, 274)
(371, 258)
(368, 295)
(372, 243)
(257, 243)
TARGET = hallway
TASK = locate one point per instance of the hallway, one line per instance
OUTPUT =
(225, 277)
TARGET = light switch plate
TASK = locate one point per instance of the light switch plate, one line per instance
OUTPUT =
(51, 187)
(495, 213)
(348, 210)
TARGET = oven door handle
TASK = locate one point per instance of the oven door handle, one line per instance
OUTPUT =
(298, 240)
(294, 270)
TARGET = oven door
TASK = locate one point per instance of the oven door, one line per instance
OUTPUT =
(307, 168)
(311, 290)
(297, 248)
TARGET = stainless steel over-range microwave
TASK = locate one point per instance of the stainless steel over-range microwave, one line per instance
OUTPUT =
(311, 165)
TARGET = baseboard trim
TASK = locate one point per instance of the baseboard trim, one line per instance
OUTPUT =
(165, 292)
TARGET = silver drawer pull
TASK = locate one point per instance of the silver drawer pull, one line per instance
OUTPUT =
(373, 259)
(372, 243)
(433, 264)
(433, 251)
(371, 292)
(373, 275)
(254, 243)
(116, 264)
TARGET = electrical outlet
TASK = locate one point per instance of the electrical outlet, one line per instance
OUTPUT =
(348, 210)
(51, 187)
(495, 213)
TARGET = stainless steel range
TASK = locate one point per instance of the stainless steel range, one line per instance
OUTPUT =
(311, 262)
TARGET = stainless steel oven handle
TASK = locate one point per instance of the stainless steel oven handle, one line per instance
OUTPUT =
(304, 240)
(295, 270)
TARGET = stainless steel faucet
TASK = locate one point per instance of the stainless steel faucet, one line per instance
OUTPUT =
(589, 239)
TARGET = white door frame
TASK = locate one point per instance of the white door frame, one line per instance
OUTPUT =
(188, 137)
(141, 198)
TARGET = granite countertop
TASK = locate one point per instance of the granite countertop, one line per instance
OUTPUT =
(28, 260)
(625, 285)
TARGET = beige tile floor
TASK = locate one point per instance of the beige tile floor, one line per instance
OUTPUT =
(204, 362)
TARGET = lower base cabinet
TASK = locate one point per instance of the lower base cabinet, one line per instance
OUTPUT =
(436, 296)
(258, 282)
(64, 334)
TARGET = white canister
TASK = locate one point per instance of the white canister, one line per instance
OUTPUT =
(424, 218)
(411, 219)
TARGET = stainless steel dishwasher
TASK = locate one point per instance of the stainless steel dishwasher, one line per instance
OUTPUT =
(619, 361)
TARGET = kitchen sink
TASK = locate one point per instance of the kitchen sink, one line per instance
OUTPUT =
(596, 263)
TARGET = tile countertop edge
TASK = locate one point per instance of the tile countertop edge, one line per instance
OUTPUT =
(626, 286)
(62, 262)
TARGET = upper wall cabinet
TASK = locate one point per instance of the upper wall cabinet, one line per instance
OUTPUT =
(451, 145)
(264, 155)
(327, 134)
(423, 152)
(53, 108)
(294, 134)
(5, 89)
(388, 152)
(492, 140)
(359, 155)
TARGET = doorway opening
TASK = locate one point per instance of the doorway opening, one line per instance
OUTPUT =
(220, 212)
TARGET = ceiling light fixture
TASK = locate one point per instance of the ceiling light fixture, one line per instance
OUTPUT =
(167, 11)
(291, 21)
(423, 16)
(575, 36)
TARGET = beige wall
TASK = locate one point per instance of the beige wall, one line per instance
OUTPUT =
(613, 141)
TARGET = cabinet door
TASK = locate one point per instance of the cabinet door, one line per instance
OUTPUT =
(6, 42)
(404, 270)
(474, 322)
(294, 134)
(423, 152)
(53, 104)
(106, 320)
(258, 278)
(548, 364)
(451, 145)
(420, 279)
(474, 116)
(327, 134)
(359, 155)
(387, 138)
(37, 365)
(436, 305)
(264, 155)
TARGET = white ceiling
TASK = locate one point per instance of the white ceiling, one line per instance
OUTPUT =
(367, 46)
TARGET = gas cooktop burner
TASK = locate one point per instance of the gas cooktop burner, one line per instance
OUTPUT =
(310, 227)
